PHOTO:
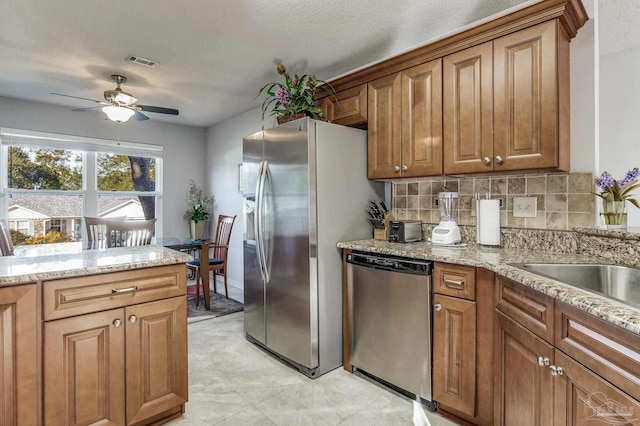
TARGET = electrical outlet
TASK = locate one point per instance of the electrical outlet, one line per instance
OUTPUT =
(525, 206)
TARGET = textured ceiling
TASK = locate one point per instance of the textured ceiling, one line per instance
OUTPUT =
(214, 55)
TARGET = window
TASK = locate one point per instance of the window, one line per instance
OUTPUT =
(51, 181)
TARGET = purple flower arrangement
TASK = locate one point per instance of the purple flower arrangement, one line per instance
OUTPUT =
(294, 96)
(613, 190)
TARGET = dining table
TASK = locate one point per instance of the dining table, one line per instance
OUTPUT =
(193, 247)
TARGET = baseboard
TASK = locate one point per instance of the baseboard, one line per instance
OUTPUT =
(230, 282)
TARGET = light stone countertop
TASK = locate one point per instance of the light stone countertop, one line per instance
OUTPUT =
(51, 261)
(498, 260)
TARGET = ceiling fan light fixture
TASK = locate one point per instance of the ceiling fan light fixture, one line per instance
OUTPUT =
(117, 113)
(125, 98)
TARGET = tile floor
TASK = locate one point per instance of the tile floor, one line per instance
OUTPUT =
(233, 382)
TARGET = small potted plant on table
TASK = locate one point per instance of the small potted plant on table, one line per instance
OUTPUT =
(198, 211)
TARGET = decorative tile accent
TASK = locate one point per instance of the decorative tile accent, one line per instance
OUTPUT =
(563, 200)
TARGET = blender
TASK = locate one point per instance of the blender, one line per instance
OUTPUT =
(447, 231)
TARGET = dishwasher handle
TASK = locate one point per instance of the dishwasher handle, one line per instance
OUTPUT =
(394, 264)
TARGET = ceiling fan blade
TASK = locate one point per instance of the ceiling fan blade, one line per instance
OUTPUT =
(138, 116)
(77, 97)
(88, 109)
(159, 110)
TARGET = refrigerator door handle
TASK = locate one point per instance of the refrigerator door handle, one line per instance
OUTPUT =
(258, 218)
(266, 245)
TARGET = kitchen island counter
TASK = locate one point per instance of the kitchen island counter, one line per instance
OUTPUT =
(66, 260)
(497, 259)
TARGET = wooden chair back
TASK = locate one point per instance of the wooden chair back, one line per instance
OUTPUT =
(123, 233)
(220, 246)
(95, 232)
(6, 244)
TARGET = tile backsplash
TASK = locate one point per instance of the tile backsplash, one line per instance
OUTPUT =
(563, 200)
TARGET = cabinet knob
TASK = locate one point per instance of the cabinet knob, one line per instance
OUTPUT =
(556, 371)
(543, 361)
(396, 168)
(437, 307)
(486, 160)
(133, 319)
(404, 168)
(117, 323)
(499, 159)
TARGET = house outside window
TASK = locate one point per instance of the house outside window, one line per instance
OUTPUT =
(51, 181)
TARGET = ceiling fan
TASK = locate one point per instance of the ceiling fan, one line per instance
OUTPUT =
(120, 106)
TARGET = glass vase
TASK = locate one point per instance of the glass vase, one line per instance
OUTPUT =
(614, 215)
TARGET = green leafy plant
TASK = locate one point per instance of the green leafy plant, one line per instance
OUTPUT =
(613, 190)
(294, 96)
(198, 205)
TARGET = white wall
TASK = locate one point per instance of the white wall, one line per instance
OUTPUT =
(619, 118)
(583, 96)
(224, 153)
(183, 146)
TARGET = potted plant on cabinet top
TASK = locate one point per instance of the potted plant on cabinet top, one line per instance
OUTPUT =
(294, 98)
(197, 212)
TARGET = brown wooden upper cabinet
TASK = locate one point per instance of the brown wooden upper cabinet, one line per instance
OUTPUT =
(405, 123)
(506, 103)
(347, 107)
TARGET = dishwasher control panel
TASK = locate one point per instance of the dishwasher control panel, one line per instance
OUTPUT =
(409, 266)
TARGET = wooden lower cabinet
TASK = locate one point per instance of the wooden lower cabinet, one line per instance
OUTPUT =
(454, 357)
(523, 385)
(584, 398)
(19, 396)
(122, 366)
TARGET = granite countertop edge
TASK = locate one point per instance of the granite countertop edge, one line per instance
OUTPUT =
(498, 259)
(16, 269)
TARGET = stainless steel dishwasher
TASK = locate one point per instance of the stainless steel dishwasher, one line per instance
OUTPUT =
(389, 302)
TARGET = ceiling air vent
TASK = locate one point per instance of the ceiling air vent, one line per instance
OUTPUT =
(142, 61)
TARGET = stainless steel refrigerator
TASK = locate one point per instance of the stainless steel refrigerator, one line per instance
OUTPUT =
(305, 188)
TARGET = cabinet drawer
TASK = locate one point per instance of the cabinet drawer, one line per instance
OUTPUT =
(455, 280)
(75, 296)
(530, 308)
(608, 350)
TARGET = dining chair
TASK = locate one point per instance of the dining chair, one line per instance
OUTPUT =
(216, 253)
(6, 244)
(95, 232)
(128, 233)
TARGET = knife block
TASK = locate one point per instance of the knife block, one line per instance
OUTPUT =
(383, 234)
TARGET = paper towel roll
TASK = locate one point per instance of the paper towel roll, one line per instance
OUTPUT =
(488, 222)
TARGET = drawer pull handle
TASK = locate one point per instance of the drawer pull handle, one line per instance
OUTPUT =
(124, 290)
(133, 319)
(437, 307)
(543, 361)
(556, 371)
(117, 323)
(454, 282)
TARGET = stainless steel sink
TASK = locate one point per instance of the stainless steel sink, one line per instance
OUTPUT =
(617, 282)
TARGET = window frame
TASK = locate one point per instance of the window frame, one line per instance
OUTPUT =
(89, 147)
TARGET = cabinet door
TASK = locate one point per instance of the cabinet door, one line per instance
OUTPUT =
(526, 101)
(18, 356)
(347, 107)
(584, 398)
(523, 383)
(422, 120)
(156, 358)
(468, 110)
(84, 369)
(454, 353)
(384, 128)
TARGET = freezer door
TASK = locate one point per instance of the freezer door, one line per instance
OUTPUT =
(291, 299)
(254, 291)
